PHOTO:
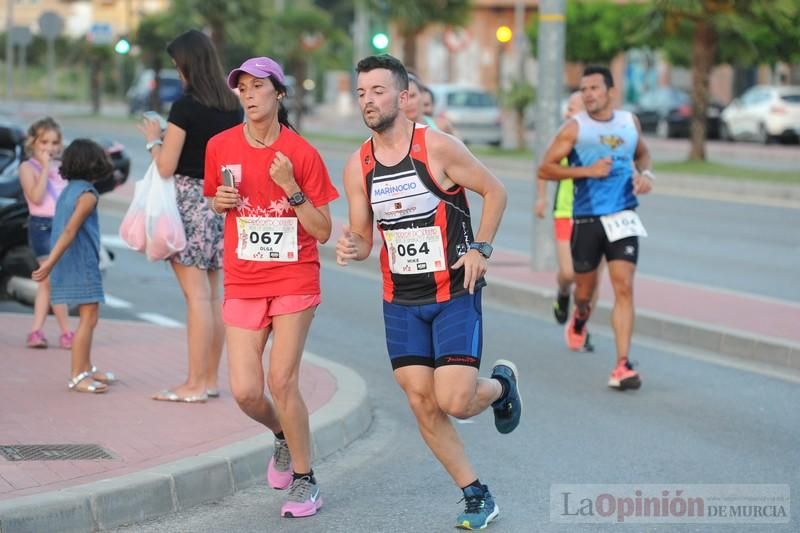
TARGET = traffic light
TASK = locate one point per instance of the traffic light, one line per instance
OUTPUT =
(504, 34)
(123, 46)
(380, 41)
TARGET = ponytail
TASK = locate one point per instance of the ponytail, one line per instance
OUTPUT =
(283, 116)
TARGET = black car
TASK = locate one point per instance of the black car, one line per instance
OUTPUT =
(667, 112)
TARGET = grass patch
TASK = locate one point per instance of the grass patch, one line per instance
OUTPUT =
(352, 140)
(493, 151)
(706, 168)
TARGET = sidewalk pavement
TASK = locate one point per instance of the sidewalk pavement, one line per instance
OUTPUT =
(165, 456)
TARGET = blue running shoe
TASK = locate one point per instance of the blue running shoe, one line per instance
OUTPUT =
(479, 509)
(508, 409)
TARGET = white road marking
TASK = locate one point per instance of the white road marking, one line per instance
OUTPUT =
(160, 320)
(114, 241)
(117, 303)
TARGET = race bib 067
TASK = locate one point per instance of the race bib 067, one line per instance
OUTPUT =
(267, 238)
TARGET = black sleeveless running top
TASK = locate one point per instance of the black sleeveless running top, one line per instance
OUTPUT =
(405, 197)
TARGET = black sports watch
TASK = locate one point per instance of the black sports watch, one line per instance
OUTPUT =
(484, 248)
(297, 198)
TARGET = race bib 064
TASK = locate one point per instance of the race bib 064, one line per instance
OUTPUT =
(267, 238)
(415, 250)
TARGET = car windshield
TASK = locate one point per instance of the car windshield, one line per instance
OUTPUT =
(470, 99)
(793, 98)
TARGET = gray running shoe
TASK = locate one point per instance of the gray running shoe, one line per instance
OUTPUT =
(279, 469)
(304, 499)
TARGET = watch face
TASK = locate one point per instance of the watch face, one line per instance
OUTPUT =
(297, 199)
(484, 248)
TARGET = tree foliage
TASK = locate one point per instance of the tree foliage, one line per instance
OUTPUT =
(704, 32)
(411, 17)
(596, 31)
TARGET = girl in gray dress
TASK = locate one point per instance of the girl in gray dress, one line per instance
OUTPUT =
(74, 261)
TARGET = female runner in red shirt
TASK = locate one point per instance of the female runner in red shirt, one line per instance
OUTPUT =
(274, 189)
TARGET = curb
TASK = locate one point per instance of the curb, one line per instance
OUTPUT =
(192, 481)
(729, 343)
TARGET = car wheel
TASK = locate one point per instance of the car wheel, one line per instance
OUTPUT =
(662, 128)
(762, 136)
(725, 132)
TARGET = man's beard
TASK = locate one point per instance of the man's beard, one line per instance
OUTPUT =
(381, 122)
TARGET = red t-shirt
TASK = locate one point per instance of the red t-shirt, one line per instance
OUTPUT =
(261, 197)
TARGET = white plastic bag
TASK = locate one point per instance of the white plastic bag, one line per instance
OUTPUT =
(132, 227)
(163, 225)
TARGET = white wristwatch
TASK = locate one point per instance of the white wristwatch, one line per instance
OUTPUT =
(149, 146)
(649, 174)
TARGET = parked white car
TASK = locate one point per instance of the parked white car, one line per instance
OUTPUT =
(473, 112)
(764, 113)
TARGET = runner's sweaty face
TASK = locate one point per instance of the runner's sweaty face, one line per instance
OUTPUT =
(379, 98)
(595, 93)
(258, 97)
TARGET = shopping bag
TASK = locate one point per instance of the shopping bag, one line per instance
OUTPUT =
(132, 228)
(163, 225)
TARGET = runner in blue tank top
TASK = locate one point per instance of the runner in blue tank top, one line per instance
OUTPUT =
(610, 165)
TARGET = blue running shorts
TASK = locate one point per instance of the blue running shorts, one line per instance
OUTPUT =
(434, 335)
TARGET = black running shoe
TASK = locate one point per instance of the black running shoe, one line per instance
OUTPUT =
(587, 345)
(508, 409)
(561, 308)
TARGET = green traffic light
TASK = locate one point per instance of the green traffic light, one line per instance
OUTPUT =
(380, 41)
(122, 47)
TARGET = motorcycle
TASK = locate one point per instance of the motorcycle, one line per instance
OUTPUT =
(17, 261)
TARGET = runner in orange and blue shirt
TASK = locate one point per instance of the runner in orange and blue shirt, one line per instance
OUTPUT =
(410, 181)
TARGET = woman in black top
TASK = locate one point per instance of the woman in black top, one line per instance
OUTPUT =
(207, 107)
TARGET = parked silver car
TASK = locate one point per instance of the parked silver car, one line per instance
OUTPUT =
(473, 112)
(763, 113)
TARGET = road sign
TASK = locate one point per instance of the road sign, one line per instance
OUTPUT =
(21, 36)
(100, 33)
(50, 25)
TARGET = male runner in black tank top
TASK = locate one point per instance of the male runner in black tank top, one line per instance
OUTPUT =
(410, 181)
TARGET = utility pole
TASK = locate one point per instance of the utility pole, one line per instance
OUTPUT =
(360, 31)
(548, 115)
(521, 44)
(9, 50)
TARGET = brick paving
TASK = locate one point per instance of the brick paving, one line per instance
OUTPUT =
(37, 408)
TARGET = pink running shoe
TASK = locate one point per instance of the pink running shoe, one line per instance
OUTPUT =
(65, 341)
(279, 469)
(575, 341)
(36, 339)
(624, 377)
(304, 498)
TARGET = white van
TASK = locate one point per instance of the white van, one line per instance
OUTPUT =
(473, 112)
